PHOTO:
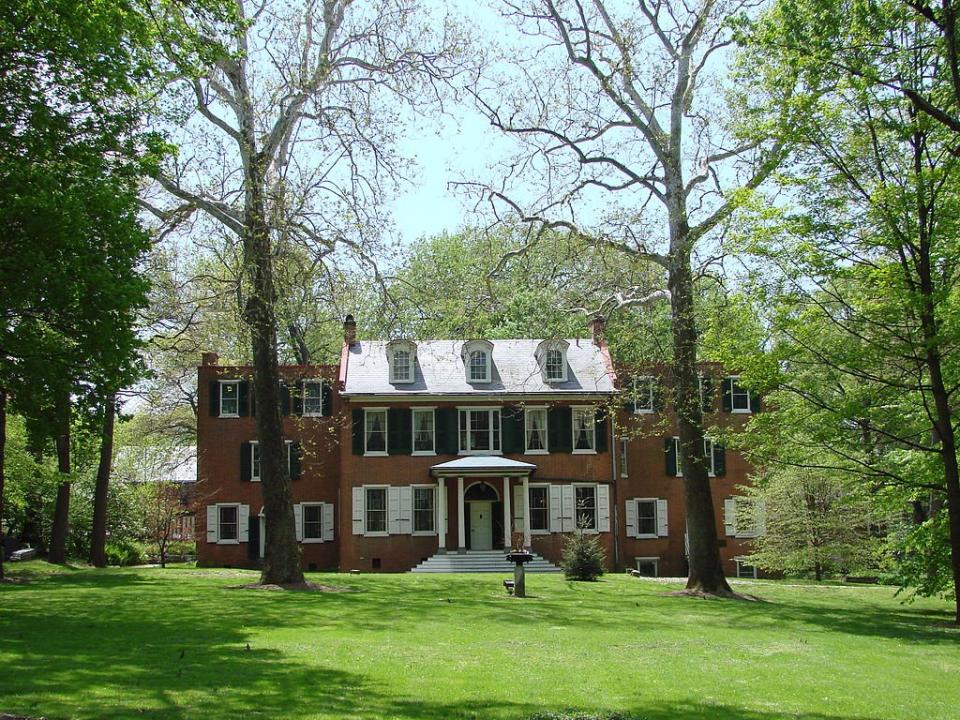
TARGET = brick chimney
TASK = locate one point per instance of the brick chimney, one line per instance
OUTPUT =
(210, 358)
(349, 330)
(597, 325)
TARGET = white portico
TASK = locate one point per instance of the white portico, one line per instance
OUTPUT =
(481, 496)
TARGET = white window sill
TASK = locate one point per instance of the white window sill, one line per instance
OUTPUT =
(741, 412)
(423, 453)
(376, 534)
(229, 415)
(647, 537)
(424, 533)
(377, 453)
(480, 453)
(536, 452)
(228, 542)
(644, 411)
(624, 475)
(313, 415)
(539, 532)
(311, 541)
(584, 452)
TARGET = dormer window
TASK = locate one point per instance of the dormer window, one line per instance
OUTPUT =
(401, 357)
(477, 358)
(552, 358)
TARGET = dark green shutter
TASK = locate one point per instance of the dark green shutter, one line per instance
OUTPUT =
(246, 461)
(602, 426)
(754, 402)
(657, 394)
(399, 431)
(706, 395)
(243, 398)
(326, 399)
(214, 398)
(719, 460)
(295, 461)
(670, 451)
(358, 432)
(284, 399)
(560, 429)
(447, 431)
(512, 428)
(727, 394)
(296, 398)
(629, 395)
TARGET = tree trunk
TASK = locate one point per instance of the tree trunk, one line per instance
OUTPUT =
(98, 543)
(299, 343)
(3, 451)
(818, 571)
(61, 513)
(281, 556)
(706, 572)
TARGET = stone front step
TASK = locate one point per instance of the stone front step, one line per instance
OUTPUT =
(480, 562)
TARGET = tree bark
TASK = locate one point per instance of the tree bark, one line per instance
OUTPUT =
(3, 454)
(281, 556)
(98, 543)
(706, 572)
(61, 513)
(299, 343)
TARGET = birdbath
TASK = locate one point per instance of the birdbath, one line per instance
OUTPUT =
(518, 558)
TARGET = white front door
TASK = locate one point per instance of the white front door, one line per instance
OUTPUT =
(481, 526)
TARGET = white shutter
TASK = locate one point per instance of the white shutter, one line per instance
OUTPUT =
(760, 510)
(631, 517)
(358, 503)
(662, 529)
(327, 513)
(555, 511)
(244, 521)
(393, 510)
(406, 509)
(603, 508)
(212, 524)
(298, 520)
(568, 509)
(518, 503)
(730, 516)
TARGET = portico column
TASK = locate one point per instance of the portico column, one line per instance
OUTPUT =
(507, 518)
(461, 526)
(441, 511)
(526, 512)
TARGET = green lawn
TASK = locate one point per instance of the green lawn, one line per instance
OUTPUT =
(177, 643)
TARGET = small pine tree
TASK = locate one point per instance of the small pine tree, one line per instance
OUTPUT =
(583, 557)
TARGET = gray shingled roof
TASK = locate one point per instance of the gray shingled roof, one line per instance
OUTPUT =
(440, 371)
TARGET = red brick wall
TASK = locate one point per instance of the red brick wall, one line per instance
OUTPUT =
(218, 466)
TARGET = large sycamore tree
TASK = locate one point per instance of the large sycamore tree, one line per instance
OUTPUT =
(286, 138)
(627, 140)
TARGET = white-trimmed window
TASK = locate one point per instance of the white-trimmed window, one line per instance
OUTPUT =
(584, 429)
(535, 431)
(740, 397)
(648, 566)
(424, 433)
(708, 454)
(480, 431)
(375, 431)
(424, 509)
(539, 508)
(479, 370)
(229, 398)
(647, 518)
(312, 519)
(745, 569)
(228, 524)
(255, 461)
(644, 391)
(555, 365)
(585, 499)
(375, 510)
(402, 370)
(624, 454)
(312, 398)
